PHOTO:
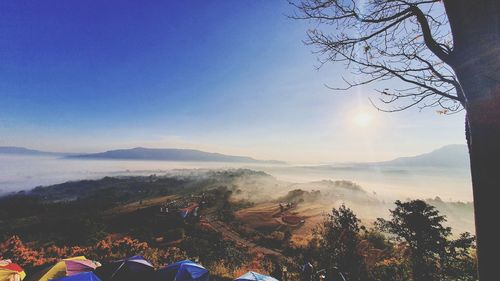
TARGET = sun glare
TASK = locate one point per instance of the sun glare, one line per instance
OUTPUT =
(363, 119)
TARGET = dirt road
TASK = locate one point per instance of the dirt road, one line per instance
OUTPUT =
(228, 233)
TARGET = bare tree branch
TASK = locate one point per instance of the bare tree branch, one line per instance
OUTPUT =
(381, 40)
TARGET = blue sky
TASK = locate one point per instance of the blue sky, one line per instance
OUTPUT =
(226, 76)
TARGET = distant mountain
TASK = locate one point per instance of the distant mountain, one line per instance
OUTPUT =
(171, 154)
(455, 155)
(26, 151)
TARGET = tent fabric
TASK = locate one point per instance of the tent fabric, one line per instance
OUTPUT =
(254, 276)
(58, 270)
(185, 270)
(11, 271)
(78, 266)
(84, 276)
(130, 269)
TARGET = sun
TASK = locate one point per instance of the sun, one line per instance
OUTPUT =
(363, 119)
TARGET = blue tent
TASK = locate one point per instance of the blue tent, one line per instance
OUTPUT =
(183, 271)
(254, 276)
(84, 276)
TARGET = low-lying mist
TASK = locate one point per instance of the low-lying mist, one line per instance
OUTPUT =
(369, 190)
(318, 197)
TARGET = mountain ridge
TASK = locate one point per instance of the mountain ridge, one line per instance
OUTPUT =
(142, 153)
(171, 154)
(452, 155)
(27, 151)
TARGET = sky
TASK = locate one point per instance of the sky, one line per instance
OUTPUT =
(223, 76)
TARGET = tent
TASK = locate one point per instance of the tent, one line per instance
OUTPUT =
(56, 271)
(78, 266)
(84, 276)
(131, 269)
(254, 276)
(185, 270)
(11, 271)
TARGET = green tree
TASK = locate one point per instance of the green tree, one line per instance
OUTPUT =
(335, 244)
(419, 225)
(459, 260)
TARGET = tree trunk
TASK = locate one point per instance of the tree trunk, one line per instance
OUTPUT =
(476, 60)
(484, 149)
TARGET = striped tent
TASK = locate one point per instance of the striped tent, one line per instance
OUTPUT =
(56, 271)
(78, 266)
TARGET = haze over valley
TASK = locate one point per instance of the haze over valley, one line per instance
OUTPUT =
(440, 176)
(24, 169)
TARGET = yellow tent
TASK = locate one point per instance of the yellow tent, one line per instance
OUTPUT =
(6, 275)
(58, 270)
(10, 271)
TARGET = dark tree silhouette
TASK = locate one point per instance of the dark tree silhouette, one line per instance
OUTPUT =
(336, 243)
(446, 53)
(420, 226)
(433, 255)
